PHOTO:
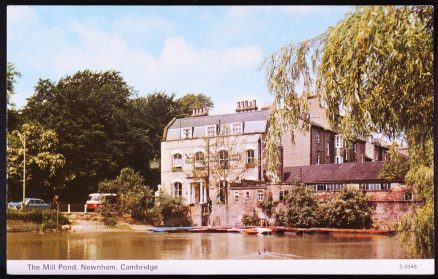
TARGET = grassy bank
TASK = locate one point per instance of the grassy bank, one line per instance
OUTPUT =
(34, 220)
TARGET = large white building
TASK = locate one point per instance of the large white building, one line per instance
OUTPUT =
(201, 155)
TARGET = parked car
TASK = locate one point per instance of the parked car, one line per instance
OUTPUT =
(31, 203)
(97, 199)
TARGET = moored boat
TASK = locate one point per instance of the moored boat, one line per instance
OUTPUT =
(251, 231)
(235, 230)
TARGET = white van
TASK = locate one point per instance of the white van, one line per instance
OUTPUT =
(95, 200)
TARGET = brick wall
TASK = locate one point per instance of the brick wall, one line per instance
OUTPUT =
(324, 138)
(298, 154)
(386, 214)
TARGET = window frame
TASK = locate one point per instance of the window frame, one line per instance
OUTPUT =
(235, 131)
(185, 135)
(214, 130)
(283, 194)
(199, 163)
(318, 158)
(341, 161)
(177, 163)
(177, 189)
(236, 195)
(338, 141)
(250, 161)
(224, 163)
(260, 195)
(318, 137)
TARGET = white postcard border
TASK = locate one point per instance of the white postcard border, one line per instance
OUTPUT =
(151, 267)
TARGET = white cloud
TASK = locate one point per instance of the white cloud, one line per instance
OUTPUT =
(20, 13)
(179, 66)
(142, 28)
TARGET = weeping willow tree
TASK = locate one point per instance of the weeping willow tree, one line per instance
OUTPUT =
(372, 73)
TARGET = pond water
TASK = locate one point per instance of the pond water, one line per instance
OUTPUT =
(190, 246)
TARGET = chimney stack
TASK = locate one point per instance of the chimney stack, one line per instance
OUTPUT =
(200, 112)
(244, 106)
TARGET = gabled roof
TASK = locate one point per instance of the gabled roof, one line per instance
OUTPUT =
(336, 173)
(253, 122)
(260, 115)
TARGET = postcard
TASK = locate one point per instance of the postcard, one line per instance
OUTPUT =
(220, 140)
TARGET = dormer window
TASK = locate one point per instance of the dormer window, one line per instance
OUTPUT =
(236, 128)
(186, 133)
(211, 131)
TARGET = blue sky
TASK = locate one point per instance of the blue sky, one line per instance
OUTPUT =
(217, 50)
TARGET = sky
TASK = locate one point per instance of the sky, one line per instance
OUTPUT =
(215, 50)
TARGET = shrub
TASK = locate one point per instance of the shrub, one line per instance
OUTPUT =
(109, 221)
(281, 218)
(253, 220)
(302, 209)
(49, 220)
(169, 211)
(133, 196)
(268, 203)
(46, 218)
(348, 209)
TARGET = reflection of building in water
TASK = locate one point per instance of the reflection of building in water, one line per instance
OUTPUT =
(222, 157)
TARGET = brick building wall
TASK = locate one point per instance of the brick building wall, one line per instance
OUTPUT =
(318, 142)
(388, 206)
(298, 154)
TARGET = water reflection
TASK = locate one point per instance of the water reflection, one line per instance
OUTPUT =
(139, 245)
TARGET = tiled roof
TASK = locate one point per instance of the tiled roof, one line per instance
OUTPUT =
(335, 173)
(259, 115)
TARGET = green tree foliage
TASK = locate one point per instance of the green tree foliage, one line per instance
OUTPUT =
(13, 117)
(372, 72)
(348, 209)
(416, 229)
(248, 220)
(89, 112)
(149, 115)
(268, 203)
(302, 209)
(133, 196)
(396, 168)
(11, 79)
(43, 162)
(192, 101)
(101, 127)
